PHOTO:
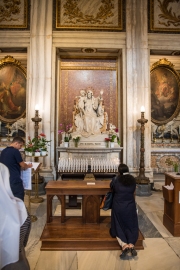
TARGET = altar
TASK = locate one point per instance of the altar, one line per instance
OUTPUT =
(87, 231)
(90, 143)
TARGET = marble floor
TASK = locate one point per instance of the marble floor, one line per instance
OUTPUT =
(161, 249)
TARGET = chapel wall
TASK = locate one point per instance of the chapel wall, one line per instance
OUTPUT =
(134, 43)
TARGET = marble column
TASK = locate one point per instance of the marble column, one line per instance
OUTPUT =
(138, 90)
(39, 80)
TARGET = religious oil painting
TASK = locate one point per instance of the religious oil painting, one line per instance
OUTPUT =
(94, 14)
(164, 16)
(14, 14)
(165, 86)
(12, 90)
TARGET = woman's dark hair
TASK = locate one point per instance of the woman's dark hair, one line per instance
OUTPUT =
(123, 168)
(127, 179)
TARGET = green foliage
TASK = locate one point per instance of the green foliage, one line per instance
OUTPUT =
(118, 141)
(113, 138)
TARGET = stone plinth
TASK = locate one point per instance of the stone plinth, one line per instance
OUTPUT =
(143, 190)
(93, 141)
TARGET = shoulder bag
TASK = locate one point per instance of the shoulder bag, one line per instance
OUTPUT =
(106, 203)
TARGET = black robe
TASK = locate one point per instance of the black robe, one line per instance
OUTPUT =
(124, 221)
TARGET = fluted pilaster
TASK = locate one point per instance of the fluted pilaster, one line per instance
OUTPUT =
(138, 92)
(40, 59)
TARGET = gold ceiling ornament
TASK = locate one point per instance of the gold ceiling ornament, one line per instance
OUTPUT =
(75, 15)
(167, 14)
(8, 9)
(13, 13)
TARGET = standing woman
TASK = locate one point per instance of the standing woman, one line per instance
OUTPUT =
(124, 221)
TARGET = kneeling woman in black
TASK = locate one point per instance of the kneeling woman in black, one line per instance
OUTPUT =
(124, 221)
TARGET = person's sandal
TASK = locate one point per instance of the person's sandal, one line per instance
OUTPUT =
(124, 252)
(133, 251)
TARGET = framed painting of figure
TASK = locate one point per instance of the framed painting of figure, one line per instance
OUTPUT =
(165, 97)
(12, 90)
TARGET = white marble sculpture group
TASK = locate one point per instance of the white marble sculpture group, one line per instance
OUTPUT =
(89, 117)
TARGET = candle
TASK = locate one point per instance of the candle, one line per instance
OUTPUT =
(142, 109)
(37, 107)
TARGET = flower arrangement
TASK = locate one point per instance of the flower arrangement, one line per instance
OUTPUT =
(66, 132)
(113, 134)
(37, 144)
(44, 143)
(76, 139)
(170, 162)
(107, 140)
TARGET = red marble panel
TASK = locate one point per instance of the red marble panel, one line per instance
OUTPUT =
(73, 80)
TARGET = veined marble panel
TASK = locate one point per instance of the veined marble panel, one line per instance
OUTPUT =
(152, 203)
(161, 42)
(89, 39)
(57, 260)
(156, 255)
(146, 226)
(174, 242)
(153, 216)
(110, 260)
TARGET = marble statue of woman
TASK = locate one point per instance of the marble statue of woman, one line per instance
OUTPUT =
(90, 117)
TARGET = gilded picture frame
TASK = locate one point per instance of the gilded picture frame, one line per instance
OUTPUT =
(165, 92)
(14, 14)
(12, 90)
(89, 15)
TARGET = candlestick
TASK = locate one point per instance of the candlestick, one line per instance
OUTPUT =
(142, 179)
(36, 120)
(37, 178)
